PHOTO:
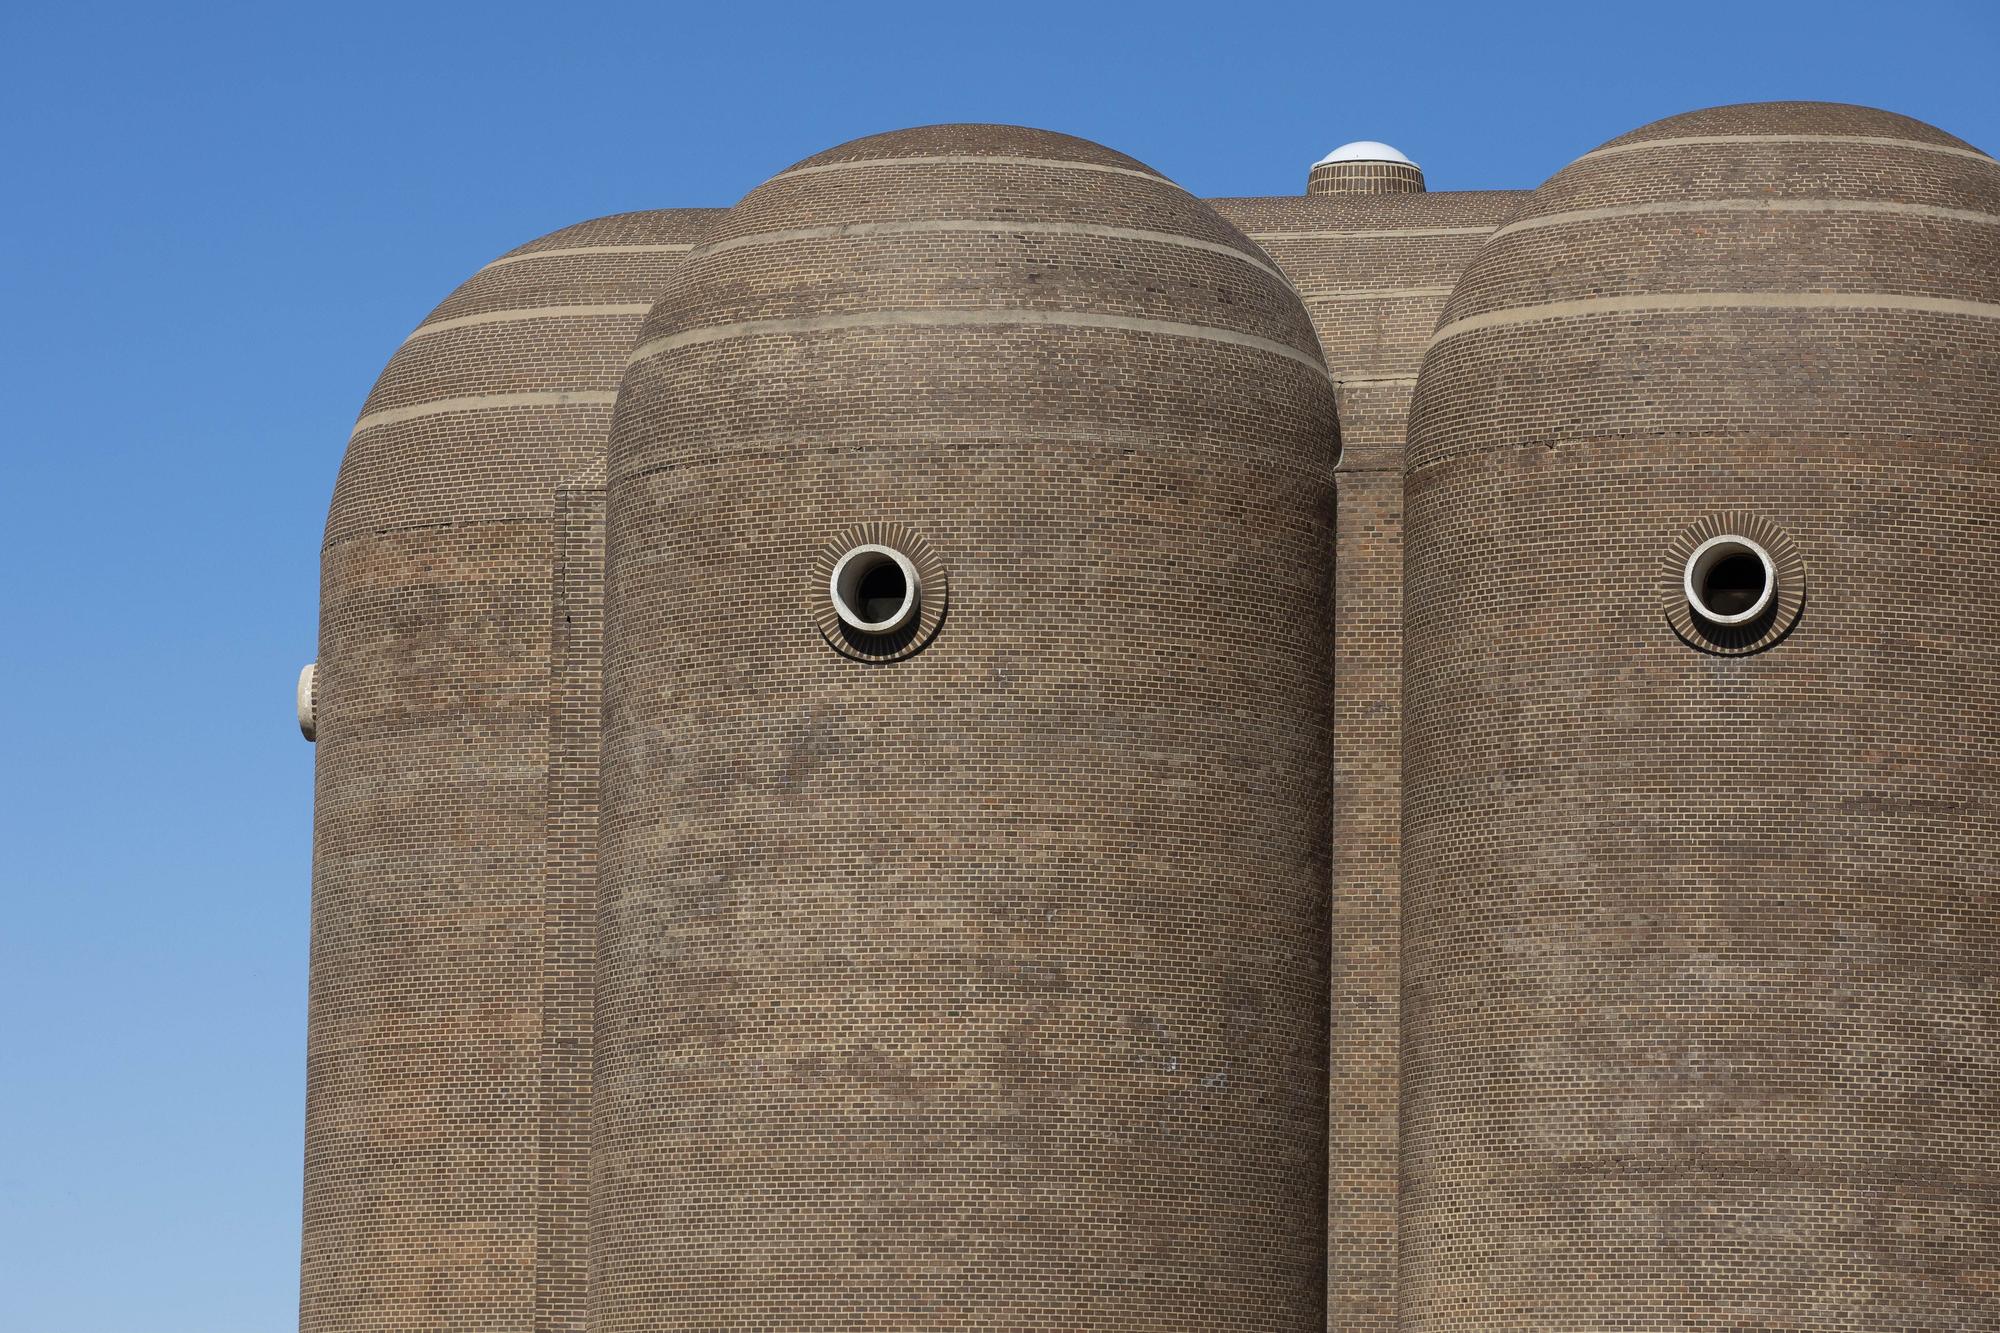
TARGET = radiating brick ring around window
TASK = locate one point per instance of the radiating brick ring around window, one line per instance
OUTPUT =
(1780, 611)
(932, 589)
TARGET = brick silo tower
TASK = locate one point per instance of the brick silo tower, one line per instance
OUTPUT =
(963, 931)
(1702, 656)
(446, 1073)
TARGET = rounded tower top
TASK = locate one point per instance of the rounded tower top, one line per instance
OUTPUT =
(1687, 241)
(973, 234)
(507, 385)
(971, 489)
(961, 141)
(1365, 166)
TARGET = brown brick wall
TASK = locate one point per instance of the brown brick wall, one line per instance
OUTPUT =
(1374, 273)
(1364, 178)
(569, 907)
(426, 1193)
(970, 987)
(985, 988)
(1700, 951)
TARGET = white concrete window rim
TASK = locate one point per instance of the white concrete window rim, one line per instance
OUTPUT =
(844, 587)
(308, 724)
(1705, 557)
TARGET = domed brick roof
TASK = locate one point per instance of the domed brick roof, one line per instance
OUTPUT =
(954, 226)
(507, 386)
(1665, 283)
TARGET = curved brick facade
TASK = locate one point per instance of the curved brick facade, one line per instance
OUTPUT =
(1700, 951)
(1365, 178)
(443, 1127)
(985, 988)
(979, 978)
(1373, 271)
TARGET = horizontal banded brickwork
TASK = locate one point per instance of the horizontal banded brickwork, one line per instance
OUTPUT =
(458, 362)
(1364, 178)
(945, 318)
(1699, 964)
(447, 1034)
(983, 988)
(1374, 274)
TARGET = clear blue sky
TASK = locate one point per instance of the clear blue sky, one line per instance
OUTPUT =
(216, 223)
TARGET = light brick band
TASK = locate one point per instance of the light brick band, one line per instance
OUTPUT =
(1832, 140)
(484, 403)
(968, 159)
(1667, 302)
(572, 251)
(863, 319)
(1674, 208)
(1000, 227)
(527, 314)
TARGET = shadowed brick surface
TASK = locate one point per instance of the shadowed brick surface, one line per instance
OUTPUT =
(1701, 951)
(433, 1178)
(1374, 273)
(987, 988)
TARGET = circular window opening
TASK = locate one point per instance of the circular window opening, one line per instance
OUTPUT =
(1729, 580)
(875, 589)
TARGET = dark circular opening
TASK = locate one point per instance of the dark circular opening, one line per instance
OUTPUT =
(1733, 584)
(881, 591)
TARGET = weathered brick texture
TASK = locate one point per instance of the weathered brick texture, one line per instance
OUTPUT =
(433, 1180)
(1701, 951)
(1374, 273)
(985, 988)
(1225, 917)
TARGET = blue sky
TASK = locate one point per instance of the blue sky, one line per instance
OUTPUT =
(216, 223)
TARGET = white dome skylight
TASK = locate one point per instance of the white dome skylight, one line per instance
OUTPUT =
(1364, 150)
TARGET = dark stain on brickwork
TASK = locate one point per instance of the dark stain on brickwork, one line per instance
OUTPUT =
(1234, 919)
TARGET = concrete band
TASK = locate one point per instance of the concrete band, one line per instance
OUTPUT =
(570, 251)
(998, 228)
(969, 159)
(1372, 293)
(865, 319)
(1663, 302)
(1675, 207)
(1384, 234)
(485, 402)
(1871, 140)
(526, 313)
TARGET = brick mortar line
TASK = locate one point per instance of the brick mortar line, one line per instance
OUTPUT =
(1880, 141)
(485, 402)
(1753, 206)
(1384, 234)
(763, 449)
(523, 314)
(1619, 305)
(1372, 293)
(678, 248)
(863, 319)
(365, 531)
(998, 226)
(969, 159)
(1930, 449)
